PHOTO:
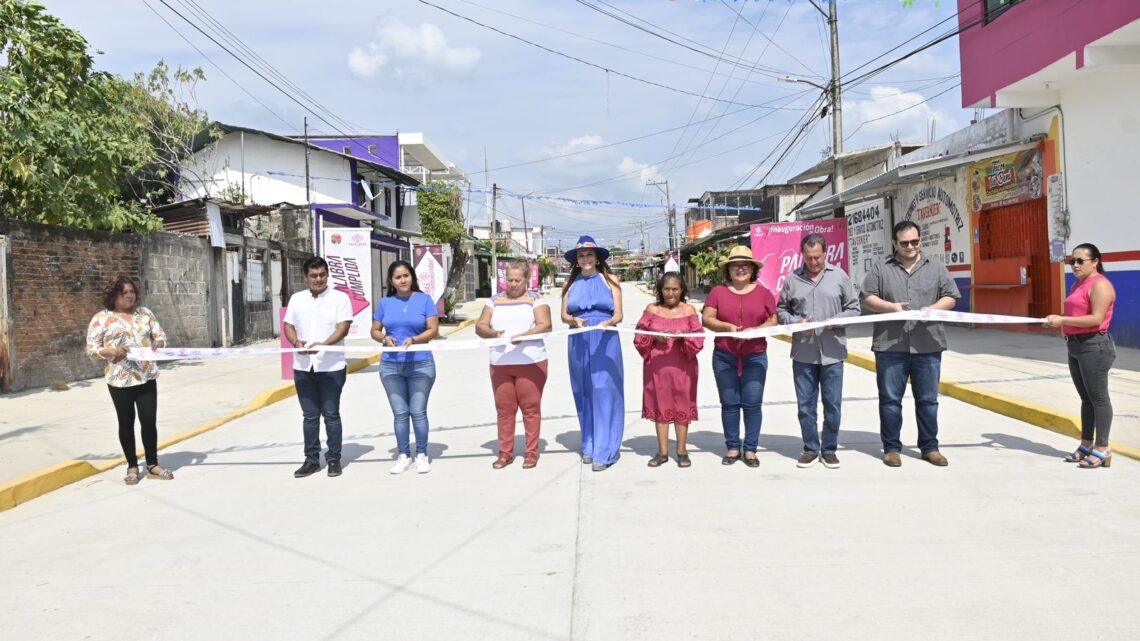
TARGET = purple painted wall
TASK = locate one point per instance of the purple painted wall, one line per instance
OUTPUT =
(387, 148)
(1028, 37)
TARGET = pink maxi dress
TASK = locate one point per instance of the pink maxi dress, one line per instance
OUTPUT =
(670, 370)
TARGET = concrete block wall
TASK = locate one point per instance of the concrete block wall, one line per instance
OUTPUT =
(56, 277)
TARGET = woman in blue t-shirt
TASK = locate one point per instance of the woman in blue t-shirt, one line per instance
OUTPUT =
(406, 316)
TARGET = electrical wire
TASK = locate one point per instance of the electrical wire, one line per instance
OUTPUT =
(215, 65)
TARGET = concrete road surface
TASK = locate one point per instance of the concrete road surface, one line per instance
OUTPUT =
(1005, 543)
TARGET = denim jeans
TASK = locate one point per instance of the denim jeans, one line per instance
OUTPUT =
(924, 371)
(744, 391)
(319, 395)
(1090, 358)
(408, 385)
(810, 380)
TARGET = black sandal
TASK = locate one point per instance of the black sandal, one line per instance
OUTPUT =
(752, 461)
(729, 460)
(658, 459)
(683, 460)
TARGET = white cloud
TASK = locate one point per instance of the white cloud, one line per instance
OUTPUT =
(890, 111)
(645, 171)
(405, 51)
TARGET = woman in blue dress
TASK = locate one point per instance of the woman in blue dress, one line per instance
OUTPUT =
(592, 297)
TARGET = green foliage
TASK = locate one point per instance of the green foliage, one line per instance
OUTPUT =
(707, 264)
(546, 268)
(166, 104)
(67, 133)
(634, 273)
(441, 212)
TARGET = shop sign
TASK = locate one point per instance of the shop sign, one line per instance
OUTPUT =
(1005, 180)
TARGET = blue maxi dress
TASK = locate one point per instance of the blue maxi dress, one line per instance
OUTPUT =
(597, 374)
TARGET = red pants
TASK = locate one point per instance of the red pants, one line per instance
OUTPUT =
(518, 386)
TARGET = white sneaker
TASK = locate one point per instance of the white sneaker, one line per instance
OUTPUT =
(403, 464)
(423, 465)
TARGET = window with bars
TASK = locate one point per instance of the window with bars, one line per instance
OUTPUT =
(995, 8)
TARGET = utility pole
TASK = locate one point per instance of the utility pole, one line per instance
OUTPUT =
(494, 254)
(522, 203)
(671, 215)
(308, 199)
(836, 99)
(834, 92)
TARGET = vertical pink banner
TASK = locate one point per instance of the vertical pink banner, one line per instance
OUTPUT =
(534, 277)
(286, 357)
(777, 245)
(500, 277)
(428, 263)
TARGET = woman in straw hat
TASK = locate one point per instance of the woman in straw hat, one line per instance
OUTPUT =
(591, 297)
(740, 366)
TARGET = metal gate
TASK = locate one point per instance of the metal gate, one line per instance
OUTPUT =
(1011, 261)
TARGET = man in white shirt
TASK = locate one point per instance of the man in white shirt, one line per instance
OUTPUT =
(319, 316)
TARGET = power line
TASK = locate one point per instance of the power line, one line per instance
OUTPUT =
(770, 40)
(220, 29)
(606, 43)
(247, 65)
(758, 58)
(706, 52)
(947, 90)
(216, 65)
(580, 60)
(624, 175)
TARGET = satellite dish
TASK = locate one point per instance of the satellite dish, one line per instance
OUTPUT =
(367, 190)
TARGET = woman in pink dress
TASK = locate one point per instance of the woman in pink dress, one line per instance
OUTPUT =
(670, 371)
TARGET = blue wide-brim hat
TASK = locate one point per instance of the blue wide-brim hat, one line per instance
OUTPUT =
(586, 242)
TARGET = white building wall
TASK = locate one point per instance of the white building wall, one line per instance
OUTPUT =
(219, 168)
(1101, 162)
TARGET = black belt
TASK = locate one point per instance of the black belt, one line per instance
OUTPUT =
(1084, 337)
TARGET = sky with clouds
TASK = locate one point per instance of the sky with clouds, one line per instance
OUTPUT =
(406, 65)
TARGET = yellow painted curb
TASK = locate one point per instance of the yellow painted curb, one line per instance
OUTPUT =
(30, 486)
(52, 478)
(1024, 411)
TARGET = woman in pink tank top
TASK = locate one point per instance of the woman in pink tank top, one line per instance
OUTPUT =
(1088, 314)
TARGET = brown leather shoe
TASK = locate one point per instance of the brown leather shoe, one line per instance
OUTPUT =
(935, 458)
(892, 459)
(502, 461)
(529, 461)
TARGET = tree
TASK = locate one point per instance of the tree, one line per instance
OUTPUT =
(166, 103)
(440, 206)
(68, 135)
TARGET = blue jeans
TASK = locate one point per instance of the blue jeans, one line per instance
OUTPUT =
(408, 385)
(319, 395)
(743, 391)
(811, 379)
(924, 371)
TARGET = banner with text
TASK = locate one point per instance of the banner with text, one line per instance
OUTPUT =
(1006, 179)
(777, 245)
(349, 254)
(868, 237)
(428, 260)
(938, 208)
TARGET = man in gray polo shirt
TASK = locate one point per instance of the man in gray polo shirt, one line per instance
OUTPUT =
(908, 280)
(817, 291)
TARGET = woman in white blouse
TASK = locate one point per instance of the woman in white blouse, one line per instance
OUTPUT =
(121, 325)
(518, 371)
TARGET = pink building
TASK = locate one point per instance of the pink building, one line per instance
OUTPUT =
(1070, 70)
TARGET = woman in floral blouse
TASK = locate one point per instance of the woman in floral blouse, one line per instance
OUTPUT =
(123, 324)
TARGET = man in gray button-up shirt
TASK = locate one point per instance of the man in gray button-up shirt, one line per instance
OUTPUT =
(907, 280)
(817, 292)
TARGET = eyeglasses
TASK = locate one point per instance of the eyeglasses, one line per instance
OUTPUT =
(909, 243)
(1079, 261)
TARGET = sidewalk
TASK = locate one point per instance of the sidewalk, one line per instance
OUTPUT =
(74, 430)
(1020, 374)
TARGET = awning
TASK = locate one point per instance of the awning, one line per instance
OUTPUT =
(346, 210)
(906, 173)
